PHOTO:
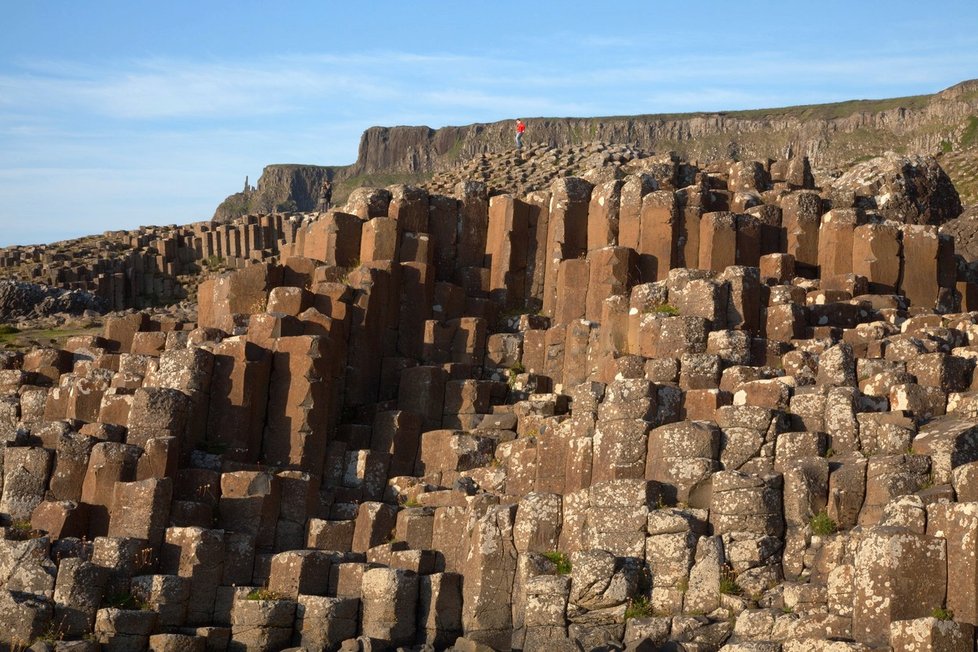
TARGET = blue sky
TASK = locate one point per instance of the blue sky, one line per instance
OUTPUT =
(120, 114)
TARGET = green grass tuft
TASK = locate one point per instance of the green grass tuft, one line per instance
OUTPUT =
(561, 560)
(639, 607)
(728, 583)
(125, 601)
(263, 593)
(666, 309)
(970, 135)
(942, 613)
(822, 525)
(212, 447)
(513, 372)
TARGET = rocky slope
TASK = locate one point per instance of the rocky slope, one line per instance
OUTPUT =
(19, 300)
(686, 407)
(280, 188)
(831, 135)
(656, 405)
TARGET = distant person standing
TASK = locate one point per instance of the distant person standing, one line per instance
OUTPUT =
(326, 195)
(520, 128)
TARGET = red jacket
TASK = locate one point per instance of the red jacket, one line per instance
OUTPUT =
(520, 128)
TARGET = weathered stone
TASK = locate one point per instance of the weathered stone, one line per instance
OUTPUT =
(197, 554)
(261, 624)
(683, 456)
(25, 477)
(538, 522)
(77, 595)
(324, 623)
(898, 576)
(950, 441)
(141, 509)
(489, 570)
(931, 634)
(167, 595)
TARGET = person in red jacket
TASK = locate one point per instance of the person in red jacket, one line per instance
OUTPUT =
(520, 128)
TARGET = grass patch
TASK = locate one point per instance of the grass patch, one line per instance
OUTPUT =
(263, 593)
(125, 601)
(212, 447)
(822, 525)
(942, 613)
(411, 502)
(14, 338)
(640, 607)
(560, 560)
(513, 372)
(213, 263)
(970, 135)
(8, 334)
(454, 153)
(666, 309)
(728, 583)
(21, 530)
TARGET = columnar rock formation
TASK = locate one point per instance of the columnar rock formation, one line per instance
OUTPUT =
(831, 134)
(151, 265)
(706, 406)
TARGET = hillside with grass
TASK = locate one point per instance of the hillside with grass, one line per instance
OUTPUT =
(833, 136)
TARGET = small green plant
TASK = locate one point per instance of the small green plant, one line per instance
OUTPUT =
(412, 502)
(348, 271)
(639, 607)
(830, 453)
(666, 309)
(510, 313)
(560, 560)
(946, 146)
(7, 333)
(970, 135)
(787, 610)
(53, 633)
(513, 372)
(21, 529)
(21, 525)
(263, 593)
(213, 262)
(942, 613)
(823, 525)
(683, 585)
(125, 601)
(212, 447)
(728, 583)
